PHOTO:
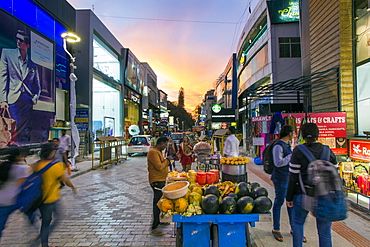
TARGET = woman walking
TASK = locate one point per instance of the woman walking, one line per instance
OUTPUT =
(281, 153)
(186, 153)
(13, 173)
(298, 166)
(171, 153)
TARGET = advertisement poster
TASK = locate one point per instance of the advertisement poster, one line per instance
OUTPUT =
(27, 88)
(332, 128)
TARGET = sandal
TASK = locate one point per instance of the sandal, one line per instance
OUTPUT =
(304, 238)
(277, 235)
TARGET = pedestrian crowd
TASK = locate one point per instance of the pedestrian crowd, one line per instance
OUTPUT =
(15, 177)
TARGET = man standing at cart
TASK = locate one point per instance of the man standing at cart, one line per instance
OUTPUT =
(158, 169)
(231, 148)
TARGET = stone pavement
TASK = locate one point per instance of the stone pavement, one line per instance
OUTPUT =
(113, 208)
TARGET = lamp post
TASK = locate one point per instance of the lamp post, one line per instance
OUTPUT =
(72, 38)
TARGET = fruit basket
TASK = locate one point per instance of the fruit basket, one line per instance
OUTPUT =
(176, 190)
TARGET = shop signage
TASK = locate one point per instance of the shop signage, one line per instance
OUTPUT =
(261, 119)
(283, 11)
(359, 150)
(82, 120)
(216, 108)
(332, 128)
(135, 99)
(258, 141)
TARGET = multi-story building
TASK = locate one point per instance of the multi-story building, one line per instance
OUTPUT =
(100, 69)
(150, 97)
(268, 53)
(39, 103)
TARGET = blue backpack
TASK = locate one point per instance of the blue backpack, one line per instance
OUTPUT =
(323, 195)
(30, 196)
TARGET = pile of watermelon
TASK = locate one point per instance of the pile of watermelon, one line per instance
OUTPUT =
(247, 198)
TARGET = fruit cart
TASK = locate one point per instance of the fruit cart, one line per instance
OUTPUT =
(214, 230)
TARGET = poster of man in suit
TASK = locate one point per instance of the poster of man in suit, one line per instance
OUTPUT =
(26, 83)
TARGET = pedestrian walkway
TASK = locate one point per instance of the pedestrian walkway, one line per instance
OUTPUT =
(354, 231)
(113, 207)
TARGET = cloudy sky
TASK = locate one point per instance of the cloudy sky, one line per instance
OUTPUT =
(186, 42)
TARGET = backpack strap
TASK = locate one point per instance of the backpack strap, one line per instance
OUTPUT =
(47, 166)
(325, 155)
(306, 152)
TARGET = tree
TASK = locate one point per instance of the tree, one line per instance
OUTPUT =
(181, 115)
(181, 99)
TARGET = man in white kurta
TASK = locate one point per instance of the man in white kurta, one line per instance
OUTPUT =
(231, 148)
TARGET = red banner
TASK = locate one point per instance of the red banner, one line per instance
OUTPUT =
(332, 128)
(359, 150)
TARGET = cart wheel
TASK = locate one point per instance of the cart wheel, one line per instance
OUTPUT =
(247, 234)
(214, 236)
(179, 241)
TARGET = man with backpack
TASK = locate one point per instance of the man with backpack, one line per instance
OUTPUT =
(51, 179)
(281, 154)
(299, 171)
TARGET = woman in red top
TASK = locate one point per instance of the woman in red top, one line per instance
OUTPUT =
(186, 153)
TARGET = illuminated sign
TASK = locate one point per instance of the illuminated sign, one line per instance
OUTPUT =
(283, 11)
(216, 108)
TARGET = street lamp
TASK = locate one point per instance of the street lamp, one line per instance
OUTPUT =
(72, 38)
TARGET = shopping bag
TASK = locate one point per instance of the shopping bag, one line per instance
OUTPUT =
(7, 128)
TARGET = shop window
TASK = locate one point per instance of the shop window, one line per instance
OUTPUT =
(290, 47)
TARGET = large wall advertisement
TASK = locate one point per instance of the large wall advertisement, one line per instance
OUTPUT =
(27, 87)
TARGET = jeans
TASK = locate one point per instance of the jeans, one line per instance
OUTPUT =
(49, 211)
(8, 210)
(323, 227)
(21, 112)
(172, 166)
(156, 198)
(280, 194)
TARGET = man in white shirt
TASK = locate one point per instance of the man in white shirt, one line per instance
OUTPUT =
(231, 148)
(65, 141)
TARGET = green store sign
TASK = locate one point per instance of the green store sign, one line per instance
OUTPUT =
(282, 11)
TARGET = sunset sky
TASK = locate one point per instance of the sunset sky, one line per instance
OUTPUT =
(186, 42)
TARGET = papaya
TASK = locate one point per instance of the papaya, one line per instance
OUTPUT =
(187, 195)
(195, 197)
(165, 204)
(192, 186)
(228, 205)
(245, 205)
(198, 190)
(181, 205)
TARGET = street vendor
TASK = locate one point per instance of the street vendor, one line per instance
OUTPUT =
(158, 169)
(231, 148)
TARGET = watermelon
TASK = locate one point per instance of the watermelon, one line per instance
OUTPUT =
(242, 189)
(228, 205)
(233, 196)
(210, 204)
(255, 185)
(260, 191)
(245, 205)
(212, 190)
(262, 204)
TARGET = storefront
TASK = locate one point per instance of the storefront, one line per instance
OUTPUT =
(106, 91)
(35, 105)
(362, 23)
(134, 88)
(132, 104)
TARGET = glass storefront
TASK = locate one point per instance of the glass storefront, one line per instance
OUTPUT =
(106, 110)
(105, 60)
(131, 114)
(362, 65)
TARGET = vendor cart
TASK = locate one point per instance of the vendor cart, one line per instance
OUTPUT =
(214, 230)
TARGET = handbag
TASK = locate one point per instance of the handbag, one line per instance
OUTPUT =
(7, 128)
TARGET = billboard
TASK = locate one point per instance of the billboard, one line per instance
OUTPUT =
(27, 85)
(332, 128)
(359, 150)
(282, 11)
